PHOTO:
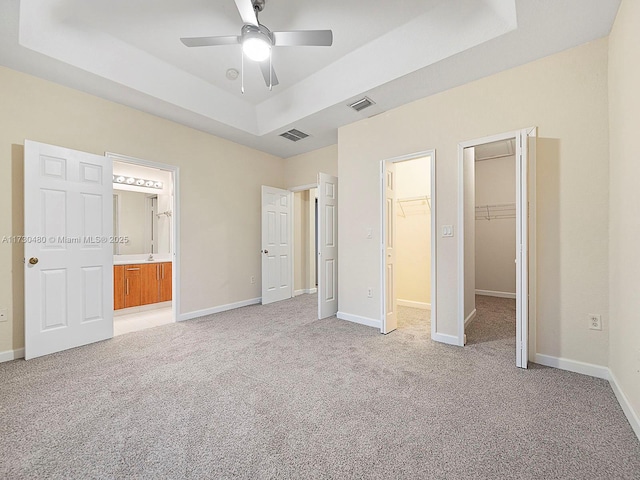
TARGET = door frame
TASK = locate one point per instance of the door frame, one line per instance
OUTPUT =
(525, 230)
(175, 234)
(383, 228)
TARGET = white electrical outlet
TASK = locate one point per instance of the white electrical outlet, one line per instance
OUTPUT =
(4, 315)
(252, 279)
(370, 292)
(595, 322)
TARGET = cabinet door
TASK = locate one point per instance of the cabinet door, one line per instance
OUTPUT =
(150, 283)
(132, 285)
(118, 287)
(165, 282)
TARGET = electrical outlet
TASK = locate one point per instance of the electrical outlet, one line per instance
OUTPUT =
(4, 315)
(370, 292)
(252, 279)
(595, 322)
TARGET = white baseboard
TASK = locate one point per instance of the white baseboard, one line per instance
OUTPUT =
(304, 291)
(444, 338)
(491, 293)
(221, 308)
(11, 355)
(632, 416)
(590, 369)
(469, 320)
(412, 304)
(369, 322)
(597, 371)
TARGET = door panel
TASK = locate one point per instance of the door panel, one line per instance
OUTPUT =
(328, 245)
(118, 287)
(132, 286)
(277, 274)
(166, 276)
(390, 320)
(150, 292)
(68, 221)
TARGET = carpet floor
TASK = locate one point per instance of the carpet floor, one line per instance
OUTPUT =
(271, 392)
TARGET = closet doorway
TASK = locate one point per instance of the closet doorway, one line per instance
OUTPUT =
(408, 242)
(495, 210)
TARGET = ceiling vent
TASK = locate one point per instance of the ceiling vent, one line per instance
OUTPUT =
(294, 135)
(362, 104)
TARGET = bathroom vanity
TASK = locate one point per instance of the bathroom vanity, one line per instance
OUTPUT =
(141, 283)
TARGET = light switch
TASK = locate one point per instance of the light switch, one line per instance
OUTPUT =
(369, 233)
(447, 230)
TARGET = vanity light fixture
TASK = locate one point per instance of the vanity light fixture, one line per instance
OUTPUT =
(140, 182)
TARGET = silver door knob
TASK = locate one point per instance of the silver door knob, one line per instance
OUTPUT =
(33, 260)
(265, 251)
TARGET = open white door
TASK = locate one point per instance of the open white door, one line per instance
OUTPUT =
(522, 245)
(327, 245)
(277, 240)
(68, 221)
(390, 318)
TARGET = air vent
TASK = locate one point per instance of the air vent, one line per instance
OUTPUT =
(294, 135)
(362, 104)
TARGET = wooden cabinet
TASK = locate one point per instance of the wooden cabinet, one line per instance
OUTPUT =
(141, 284)
(132, 286)
(150, 283)
(165, 281)
(118, 287)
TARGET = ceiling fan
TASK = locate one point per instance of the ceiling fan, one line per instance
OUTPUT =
(257, 40)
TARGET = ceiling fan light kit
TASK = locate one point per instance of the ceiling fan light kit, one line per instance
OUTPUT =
(257, 40)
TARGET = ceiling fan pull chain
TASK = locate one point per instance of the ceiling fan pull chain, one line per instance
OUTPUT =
(242, 71)
(271, 71)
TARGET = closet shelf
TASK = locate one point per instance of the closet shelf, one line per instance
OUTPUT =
(413, 204)
(496, 212)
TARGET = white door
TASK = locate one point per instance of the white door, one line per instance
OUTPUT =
(523, 143)
(277, 240)
(327, 245)
(390, 320)
(68, 219)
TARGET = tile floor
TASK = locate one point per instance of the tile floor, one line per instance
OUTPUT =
(133, 322)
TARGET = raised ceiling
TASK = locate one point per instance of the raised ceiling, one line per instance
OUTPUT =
(393, 52)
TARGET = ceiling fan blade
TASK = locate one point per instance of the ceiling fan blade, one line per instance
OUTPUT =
(301, 38)
(210, 41)
(248, 14)
(273, 80)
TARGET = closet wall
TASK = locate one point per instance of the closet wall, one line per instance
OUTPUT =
(413, 233)
(495, 226)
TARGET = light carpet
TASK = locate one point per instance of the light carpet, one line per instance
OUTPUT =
(272, 392)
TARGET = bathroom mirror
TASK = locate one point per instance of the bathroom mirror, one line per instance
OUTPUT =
(145, 219)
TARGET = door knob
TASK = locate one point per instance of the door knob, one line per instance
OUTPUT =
(33, 260)
(265, 251)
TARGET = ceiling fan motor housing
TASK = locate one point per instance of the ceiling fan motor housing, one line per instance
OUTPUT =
(259, 31)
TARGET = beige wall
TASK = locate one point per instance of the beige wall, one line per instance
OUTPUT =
(565, 95)
(413, 232)
(303, 169)
(624, 229)
(496, 239)
(220, 196)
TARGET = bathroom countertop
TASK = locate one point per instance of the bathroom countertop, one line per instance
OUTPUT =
(136, 261)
